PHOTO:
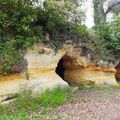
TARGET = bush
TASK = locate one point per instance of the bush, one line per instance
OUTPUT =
(16, 32)
(110, 33)
(114, 41)
(80, 30)
(11, 59)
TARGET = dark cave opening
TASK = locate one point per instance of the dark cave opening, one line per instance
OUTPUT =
(117, 75)
(60, 68)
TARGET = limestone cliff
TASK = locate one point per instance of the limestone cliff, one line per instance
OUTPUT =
(81, 70)
(42, 63)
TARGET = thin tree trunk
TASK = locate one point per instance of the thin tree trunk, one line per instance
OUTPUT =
(99, 13)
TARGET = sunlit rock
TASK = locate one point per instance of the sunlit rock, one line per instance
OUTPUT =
(41, 69)
(48, 69)
(81, 70)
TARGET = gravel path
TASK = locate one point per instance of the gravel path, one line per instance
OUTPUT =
(89, 105)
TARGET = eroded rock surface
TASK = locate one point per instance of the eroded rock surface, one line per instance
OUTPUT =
(42, 63)
(10, 85)
(80, 70)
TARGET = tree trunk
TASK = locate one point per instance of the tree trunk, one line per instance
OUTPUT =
(99, 13)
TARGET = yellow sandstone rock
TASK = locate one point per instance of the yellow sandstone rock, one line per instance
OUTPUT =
(41, 69)
(80, 70)
(42, 63)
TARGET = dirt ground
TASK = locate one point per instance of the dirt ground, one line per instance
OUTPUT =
(89, 104)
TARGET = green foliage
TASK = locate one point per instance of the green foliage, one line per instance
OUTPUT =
(110, 33)
(16, 31)
(55, 97)
(55, 13)
(102, 30)
(115, 35)
(58, 13)
(18, 116)
(80, 30)
(11, 59)
(15, 20)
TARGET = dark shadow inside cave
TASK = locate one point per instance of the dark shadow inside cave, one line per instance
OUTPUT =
(60, 68)
(117, 75)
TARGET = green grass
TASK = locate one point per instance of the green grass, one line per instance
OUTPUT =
(56, 97)
(25, 104)
(17, 116)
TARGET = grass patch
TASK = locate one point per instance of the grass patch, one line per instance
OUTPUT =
(25, 104)
(55, 97)
(18, 116)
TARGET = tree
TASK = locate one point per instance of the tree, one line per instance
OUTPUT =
(113, 6)
(100, 13)
(76, 14)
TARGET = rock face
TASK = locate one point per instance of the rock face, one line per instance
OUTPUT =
(10, 85)
(42, 63)
(90, 75)
(80, 70)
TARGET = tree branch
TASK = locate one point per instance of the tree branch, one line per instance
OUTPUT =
(112, 6)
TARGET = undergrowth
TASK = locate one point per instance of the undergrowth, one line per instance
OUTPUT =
(25, 104)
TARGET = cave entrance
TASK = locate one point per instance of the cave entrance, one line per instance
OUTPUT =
(63, 68)
(117, 75)
(60, 68)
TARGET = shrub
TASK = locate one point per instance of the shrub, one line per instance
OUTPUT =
(80, 30)
(114, 41)
(16, 32)
(11, 59)
(110, 33)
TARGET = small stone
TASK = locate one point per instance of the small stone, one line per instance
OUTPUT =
(74, 89)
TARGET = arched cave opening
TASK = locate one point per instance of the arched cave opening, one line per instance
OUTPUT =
(60, 68)
(117, 75)
(63, 69)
